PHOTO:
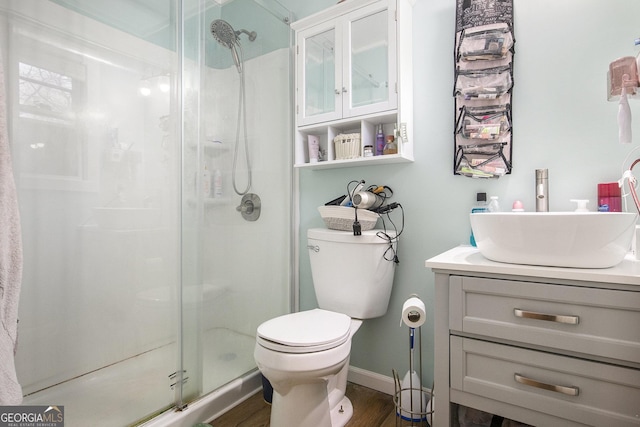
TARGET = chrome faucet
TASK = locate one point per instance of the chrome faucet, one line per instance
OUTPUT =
(542, 190)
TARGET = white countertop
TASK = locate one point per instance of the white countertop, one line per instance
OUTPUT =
(468, 258)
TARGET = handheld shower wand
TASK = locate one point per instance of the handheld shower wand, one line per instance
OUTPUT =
(224, 34)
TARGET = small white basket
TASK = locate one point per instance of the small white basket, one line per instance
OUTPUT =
(342, 218)
(347, 146)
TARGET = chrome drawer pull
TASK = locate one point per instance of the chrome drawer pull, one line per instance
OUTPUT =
(558, 318)
(570, 391)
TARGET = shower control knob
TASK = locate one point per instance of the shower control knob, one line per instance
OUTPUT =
(246, 207)
(250, 207)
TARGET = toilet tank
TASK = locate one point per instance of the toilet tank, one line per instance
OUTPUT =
(350, 273)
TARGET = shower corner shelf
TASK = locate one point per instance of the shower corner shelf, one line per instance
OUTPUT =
(212, 145)
(208, 201)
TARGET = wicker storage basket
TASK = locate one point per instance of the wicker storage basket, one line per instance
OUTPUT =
(347, 146)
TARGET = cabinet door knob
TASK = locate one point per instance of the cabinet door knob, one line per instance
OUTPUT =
(337, 91)
(558, 318)
(570, 391)
(344, 89)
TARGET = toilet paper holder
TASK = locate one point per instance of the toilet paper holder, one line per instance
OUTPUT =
(420, 412)
(413, 312)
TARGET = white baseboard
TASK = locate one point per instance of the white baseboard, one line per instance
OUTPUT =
(379, 382)
(373, 380)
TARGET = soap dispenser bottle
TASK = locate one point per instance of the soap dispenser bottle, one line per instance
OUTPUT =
(480, 206)
(494, 204)
(581, 205)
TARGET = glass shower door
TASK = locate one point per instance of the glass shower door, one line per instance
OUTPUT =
(242, 268)
(96, 159)
(139, 293)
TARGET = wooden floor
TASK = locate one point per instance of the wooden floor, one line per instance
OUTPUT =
(371, 408)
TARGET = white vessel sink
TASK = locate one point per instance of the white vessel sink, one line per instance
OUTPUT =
(560, 239)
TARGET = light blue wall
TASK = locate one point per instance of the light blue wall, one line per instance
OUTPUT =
(304, 8)
(562, 121)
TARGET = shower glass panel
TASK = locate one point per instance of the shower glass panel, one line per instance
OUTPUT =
(97, 166)
(245, 267)
(139, 292)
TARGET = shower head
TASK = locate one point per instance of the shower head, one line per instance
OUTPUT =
(224, 34)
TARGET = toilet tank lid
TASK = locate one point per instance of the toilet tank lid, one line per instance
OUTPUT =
(368, 236)
(307, 328)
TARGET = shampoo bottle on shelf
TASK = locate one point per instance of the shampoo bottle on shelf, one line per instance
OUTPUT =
(217, 184)
(379, 141)
(206, 182)
(480, 206)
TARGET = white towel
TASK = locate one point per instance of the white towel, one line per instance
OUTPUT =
(10, 263)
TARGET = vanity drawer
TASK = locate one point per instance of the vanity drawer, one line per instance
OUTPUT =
(573, 389)
(602, 323)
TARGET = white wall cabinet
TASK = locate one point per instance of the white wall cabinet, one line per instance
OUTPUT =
(353, 73)
(535, 348)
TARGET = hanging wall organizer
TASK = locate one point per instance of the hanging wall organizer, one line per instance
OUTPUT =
(483, 53)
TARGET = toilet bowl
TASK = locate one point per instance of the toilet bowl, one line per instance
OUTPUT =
(305, 355)
(307, 365)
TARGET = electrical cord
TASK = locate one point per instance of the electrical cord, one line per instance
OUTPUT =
(632, 181)
(632, 184)
(351, 191)
(391, 254)
(357, 229)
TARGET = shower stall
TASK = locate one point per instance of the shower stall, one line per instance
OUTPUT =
(131, 126)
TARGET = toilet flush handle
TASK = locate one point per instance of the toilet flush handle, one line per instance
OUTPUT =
(314, 248)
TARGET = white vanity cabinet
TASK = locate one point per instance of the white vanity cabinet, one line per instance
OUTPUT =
(353, 73)
(543, 346)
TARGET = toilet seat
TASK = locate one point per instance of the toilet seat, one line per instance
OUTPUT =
(305, 332)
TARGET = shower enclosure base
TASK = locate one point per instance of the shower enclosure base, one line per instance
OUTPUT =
(211, 405)
(118, 394)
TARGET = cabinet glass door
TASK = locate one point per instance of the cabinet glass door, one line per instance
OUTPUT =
(319, 75)
(370, 77)
(346, 67)
(369, 60)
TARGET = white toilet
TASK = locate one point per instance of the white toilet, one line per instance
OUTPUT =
(305, 355)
